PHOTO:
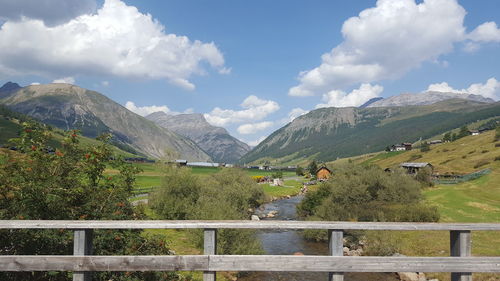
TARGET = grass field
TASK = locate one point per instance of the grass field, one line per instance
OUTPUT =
(462, 156)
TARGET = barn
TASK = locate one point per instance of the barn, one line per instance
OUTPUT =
(323, 173)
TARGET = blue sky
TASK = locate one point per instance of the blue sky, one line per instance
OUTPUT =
(251, 66)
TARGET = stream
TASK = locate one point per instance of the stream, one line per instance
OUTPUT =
(288, 242)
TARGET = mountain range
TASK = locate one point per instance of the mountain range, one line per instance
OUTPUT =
(70, 107)
(215, 141)
(329, 133)
(324, 134)
(426, 98)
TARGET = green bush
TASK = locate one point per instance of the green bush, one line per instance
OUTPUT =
(358, 193)
(226, 195)
(69, 184)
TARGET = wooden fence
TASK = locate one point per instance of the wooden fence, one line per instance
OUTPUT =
(461, 264)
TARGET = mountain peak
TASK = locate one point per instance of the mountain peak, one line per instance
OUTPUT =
(426, 98)
(216, 141)
(8, 88)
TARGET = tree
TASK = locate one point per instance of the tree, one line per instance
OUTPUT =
(299, 171)
(425, 146)
(312, 168)
(359, 193)
(277, 175)
(68, 184)
(447, 137)
(226, 195)
(454, 137)
(464, 131)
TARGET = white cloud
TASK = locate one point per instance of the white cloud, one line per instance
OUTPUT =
(255, 142)
(356, 97)
(105, 83)
(51, 12)
(35, 83)
(490, 89)
(146, 110)
(67, 80)
(296, 112)
(254, 109)
(385, 42)
(117, 40)
(252, 128)
(486, 32)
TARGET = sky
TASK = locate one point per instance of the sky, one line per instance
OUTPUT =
(252, 66)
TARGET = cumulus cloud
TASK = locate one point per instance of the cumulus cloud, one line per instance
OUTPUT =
(105, 83)
(385, 42)
(255, 142)
(146, 110)
(296, 112)
(356, 97)
(67, 80)
(254, 109)
(489, 89)
(252, 128)
(117, 40)
(486, 32)
(51, 12)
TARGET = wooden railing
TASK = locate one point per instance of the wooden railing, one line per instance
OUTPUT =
(461, 264)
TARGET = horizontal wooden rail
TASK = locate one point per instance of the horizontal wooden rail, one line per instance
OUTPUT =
(250, 263)
(185, 224)
(83, 263)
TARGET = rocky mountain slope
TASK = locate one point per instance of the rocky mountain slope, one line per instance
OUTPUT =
(8, 88)
(215, 141)
(329, 133)
(426, 98)
(71, 107)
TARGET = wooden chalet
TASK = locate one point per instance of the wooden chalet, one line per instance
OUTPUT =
(323, 173)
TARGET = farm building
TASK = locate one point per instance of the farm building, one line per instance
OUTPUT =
(413, 167)
(323, 173)
(401, 147)
(181, 162)
(202, 164)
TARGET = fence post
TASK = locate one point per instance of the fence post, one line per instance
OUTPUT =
(210, 248)
(336, 247)
(82, 246)
(460, 246)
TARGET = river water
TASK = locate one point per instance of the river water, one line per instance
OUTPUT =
(288, 242)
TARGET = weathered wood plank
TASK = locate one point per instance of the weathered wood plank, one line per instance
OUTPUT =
(104, 263)
(82, 246)
(460, 246)
(336, 248)
(250, 263)
(210, 248)
(354, 264)
(161, 224)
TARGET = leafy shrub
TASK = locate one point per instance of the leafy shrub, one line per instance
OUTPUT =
(357, 193)
(226, 195)
(425, 147)
(69, 183)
